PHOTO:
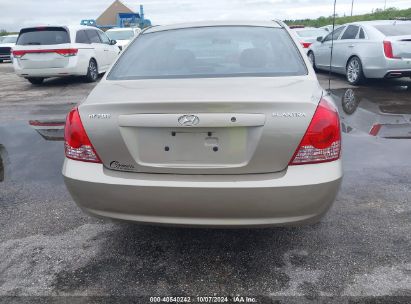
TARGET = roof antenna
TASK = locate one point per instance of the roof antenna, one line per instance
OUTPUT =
(332, 48)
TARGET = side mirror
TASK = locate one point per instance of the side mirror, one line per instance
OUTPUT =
(320, 39)
(113, 42)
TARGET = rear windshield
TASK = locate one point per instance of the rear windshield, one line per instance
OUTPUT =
(43, 36)
(395, 30)
(9, 39)
(120, 35)
(227, 51)
(312, 33)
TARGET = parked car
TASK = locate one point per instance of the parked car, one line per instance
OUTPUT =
(218, 124)
(6, 45)
(369, 49)
(329, 28)
(123, 36)
(309, 35)
(56, 51)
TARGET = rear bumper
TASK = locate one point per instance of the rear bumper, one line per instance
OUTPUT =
(398, 73)
(5, 57)
(300, 195)
(50, 72)
(402, 68)
(75, 67)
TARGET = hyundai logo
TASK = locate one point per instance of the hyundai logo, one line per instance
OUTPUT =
(188, 120)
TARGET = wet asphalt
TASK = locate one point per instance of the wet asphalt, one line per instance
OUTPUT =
(360, 250)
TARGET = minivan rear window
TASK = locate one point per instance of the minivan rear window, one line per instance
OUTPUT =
(43, 36)
(395, 30)
(215, 51)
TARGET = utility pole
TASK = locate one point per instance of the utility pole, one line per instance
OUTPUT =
(352, 7)
(385, 5)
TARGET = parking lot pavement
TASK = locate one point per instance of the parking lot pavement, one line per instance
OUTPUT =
(360, 249)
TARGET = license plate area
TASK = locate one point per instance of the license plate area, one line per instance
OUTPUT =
(193, 147)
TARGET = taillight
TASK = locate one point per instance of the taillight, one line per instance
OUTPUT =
(77, 145)
(17, 54)
(67, 52)
(388, 50)
(322, 140)
(375, 129)
(306, 45)
(62, 52)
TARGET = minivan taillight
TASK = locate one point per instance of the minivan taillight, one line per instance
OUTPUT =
(77, 145)
(306, 45)
(322, 140)
(388, 50)
(67, 52)
(62, 52)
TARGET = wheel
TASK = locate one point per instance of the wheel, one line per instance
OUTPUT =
(311, 57)
(1, 60)
(355, 74)
(35, 80)
(349, 102)
(92, 71)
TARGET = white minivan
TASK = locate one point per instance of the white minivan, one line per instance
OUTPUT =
(56, 51)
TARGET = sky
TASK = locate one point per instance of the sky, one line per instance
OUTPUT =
(23, 13)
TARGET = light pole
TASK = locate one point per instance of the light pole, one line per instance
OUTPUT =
(352, 7)
(385, 5)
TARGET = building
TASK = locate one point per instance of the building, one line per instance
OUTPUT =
(110, 16)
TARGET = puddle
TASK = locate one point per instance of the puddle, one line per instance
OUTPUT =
(377, 112)
(29, 157)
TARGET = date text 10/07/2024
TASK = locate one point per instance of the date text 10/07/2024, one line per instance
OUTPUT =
(205, 299)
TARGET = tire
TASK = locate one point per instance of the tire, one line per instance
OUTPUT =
(349, 102)
(311, 57)
(36, 80)
(1, 60)
(92, 71)
(354, 71)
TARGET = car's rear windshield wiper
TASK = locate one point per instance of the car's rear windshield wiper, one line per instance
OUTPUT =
(33, 43)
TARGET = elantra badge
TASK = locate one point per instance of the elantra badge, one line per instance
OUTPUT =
(289, 114)
(188, 120)
(99, 116)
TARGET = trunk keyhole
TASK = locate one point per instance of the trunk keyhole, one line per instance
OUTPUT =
(233, 119)
(167, 148)
(215, 149)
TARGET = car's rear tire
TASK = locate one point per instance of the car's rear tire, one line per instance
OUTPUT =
(1, 60)
(311, 57)
(354, 71)
(92, 71)
(35, 80)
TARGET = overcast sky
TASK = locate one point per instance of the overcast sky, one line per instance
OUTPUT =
(21, 13)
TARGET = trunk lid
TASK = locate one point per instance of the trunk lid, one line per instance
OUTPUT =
(401, 46)
(200, 126)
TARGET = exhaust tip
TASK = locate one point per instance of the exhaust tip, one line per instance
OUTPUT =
(394, 75)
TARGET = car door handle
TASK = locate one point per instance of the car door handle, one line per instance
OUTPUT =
(105, 50)
(351, 45)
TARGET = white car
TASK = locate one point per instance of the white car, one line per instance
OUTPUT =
(367, 49)
(56, 51)
(122, 36)
(309, 35)
(6, 44)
